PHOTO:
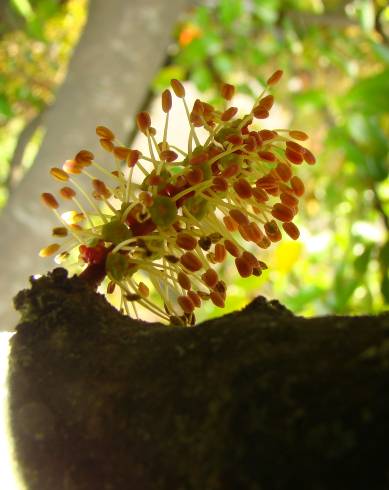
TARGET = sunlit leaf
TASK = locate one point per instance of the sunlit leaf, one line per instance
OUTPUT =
(267, 10)
(162, 80)
(23, 7)
(366, 15)
(286, 255)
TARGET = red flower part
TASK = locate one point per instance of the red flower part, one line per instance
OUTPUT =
(93, 255)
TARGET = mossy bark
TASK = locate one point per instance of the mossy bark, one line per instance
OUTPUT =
(258, 400)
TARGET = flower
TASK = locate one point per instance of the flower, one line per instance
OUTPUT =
(193, 209)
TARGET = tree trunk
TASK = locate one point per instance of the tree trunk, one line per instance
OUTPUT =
(121, 49)
(258, 399)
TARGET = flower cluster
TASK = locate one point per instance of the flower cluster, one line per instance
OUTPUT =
(191, 209)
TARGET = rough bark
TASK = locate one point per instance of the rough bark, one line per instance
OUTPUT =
(257, 399)
(121, 49)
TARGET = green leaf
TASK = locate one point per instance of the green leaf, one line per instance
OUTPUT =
(314, 98)
(202, 78)
(223, 64)
(384, 255)
(305, 296)
(385, 288)
(202, 17)
(369, 95)
(382, 51)
(230, 11)
(376, 168)
(35, 28)
(5, 107)
(361, 263)
(257, 57)
(195, 52)
(383, 258)
(343, 292)
(345, 283)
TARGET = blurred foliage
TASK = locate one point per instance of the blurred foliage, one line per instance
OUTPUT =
(335, 56)
(36, 40)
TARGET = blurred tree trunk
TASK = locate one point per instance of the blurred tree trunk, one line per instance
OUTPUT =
(122, 47)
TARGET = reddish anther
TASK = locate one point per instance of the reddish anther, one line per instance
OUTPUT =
(309, 157)
(284, 171)
(275, 78)
(104, 133)
(272, 231)
(294, 156)
(282, 212)
(186, 241)
(186, 304)
(195, 176)
(49, 200)
(178, 88)
(291, 229)
(266, 102)
(220, 253)
(260, 113)
(297, 185)
(232, 248)
(169, 156)
(288, 199)
(239, 217)
(93, 255)
(166, 100)
(133, 157)
(243, 189)
(260, 195)
(191, 262)
(229, 114)
(219, 184)
(267, 134)
(217, 299)
(227, 91)
(195, 297)
(210, 278)
(184, 281)
(267, 156)
(85, 157)
(244, 268)
(298, 135)
(67, 192)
